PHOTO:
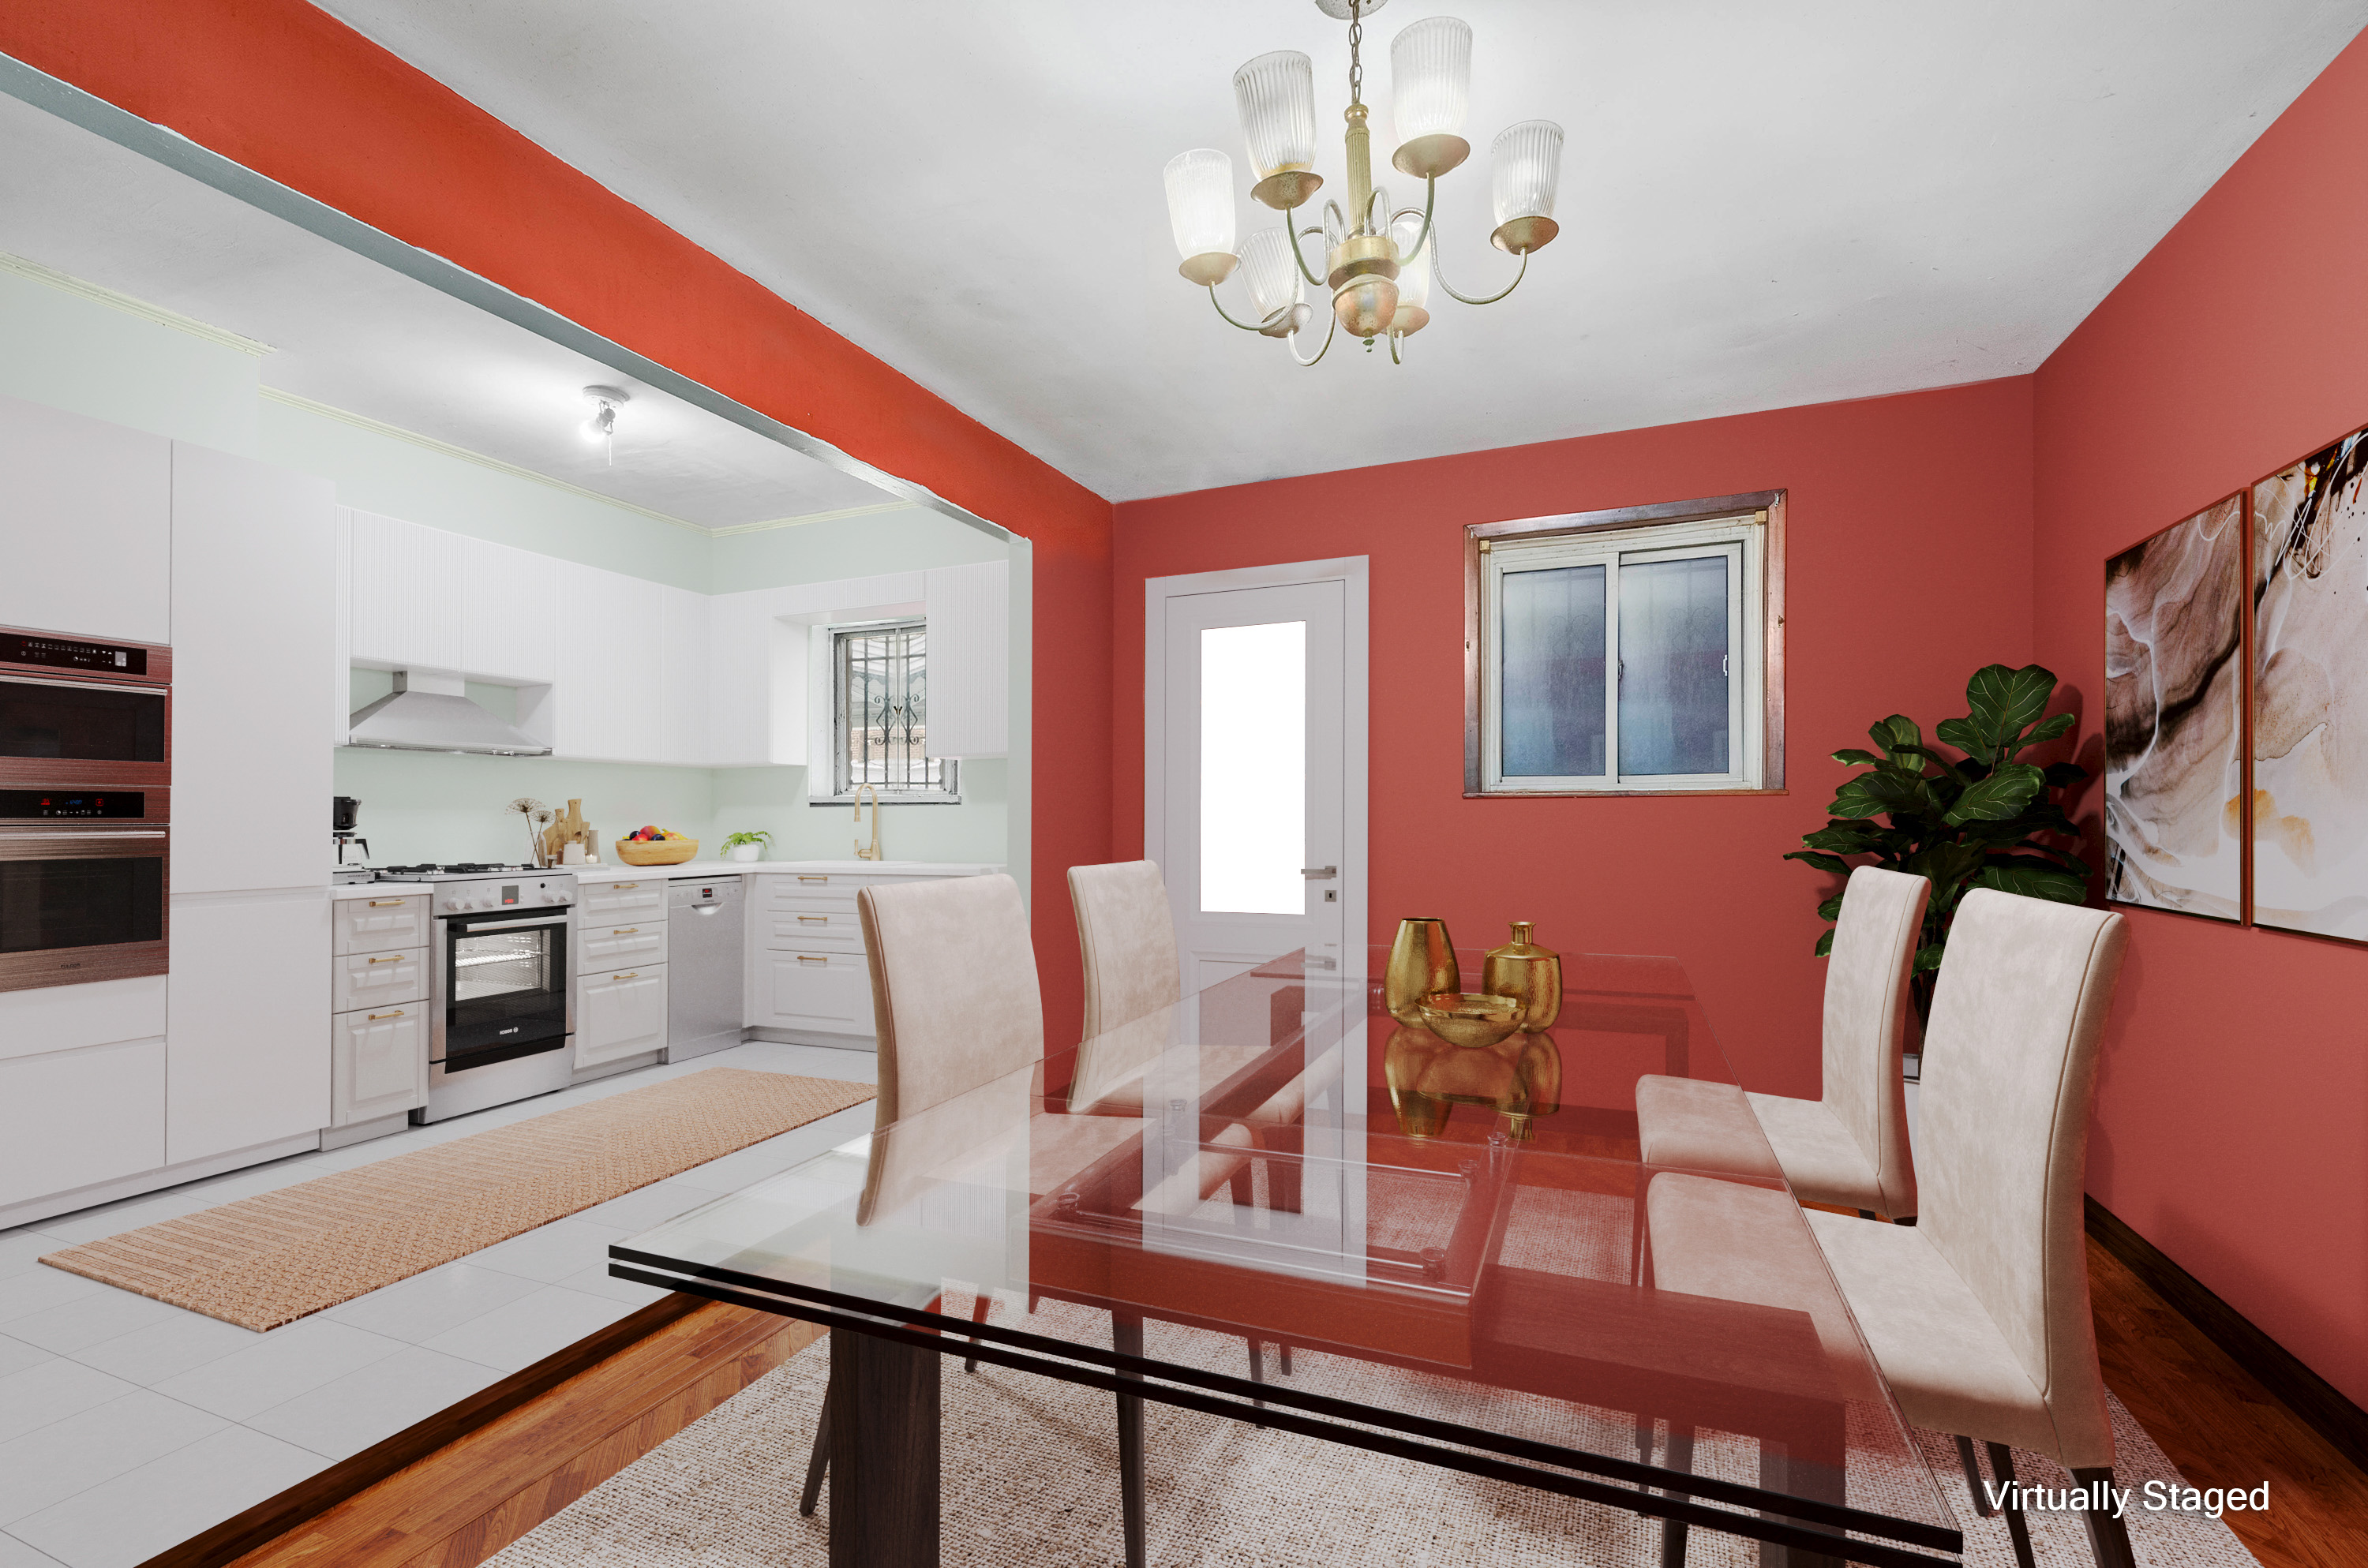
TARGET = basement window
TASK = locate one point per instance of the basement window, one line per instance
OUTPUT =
(880, 715)
(1630, 652)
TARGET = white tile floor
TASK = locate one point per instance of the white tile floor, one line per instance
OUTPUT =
(127, 1426)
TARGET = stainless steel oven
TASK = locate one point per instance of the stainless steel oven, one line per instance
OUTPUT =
(85, 714)
(499, 1000)
(80, 902)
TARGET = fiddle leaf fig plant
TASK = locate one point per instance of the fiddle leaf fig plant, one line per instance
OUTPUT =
(1983, 819)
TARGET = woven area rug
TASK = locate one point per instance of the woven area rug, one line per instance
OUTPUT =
(269, 1260)
(1030, 1480)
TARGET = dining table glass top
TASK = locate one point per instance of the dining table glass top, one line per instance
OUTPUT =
(1456, 1251)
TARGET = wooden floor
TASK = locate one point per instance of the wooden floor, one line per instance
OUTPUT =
(459, 1506)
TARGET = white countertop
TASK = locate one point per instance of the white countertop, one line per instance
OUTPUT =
(608, 871)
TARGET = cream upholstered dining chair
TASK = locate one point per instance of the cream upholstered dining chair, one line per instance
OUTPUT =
(1980, 1315)
(960, 1027)
(1849, 1147)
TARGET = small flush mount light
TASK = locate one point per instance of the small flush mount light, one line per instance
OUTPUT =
(601, 426)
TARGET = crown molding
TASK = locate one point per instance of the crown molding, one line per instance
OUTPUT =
(67, 283)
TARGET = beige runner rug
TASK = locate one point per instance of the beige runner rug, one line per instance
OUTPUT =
(269, 1260)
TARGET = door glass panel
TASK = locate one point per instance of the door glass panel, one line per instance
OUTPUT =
(81, 724)
(1674, 667)
(1551, 684)
(1254, 768)
(50, 905)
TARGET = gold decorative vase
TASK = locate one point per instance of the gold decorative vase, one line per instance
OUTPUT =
(1470, 1019)
(1422, 963)
(1534, 974)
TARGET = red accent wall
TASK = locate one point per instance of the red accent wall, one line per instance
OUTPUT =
(1907, 567)
(2232, 1125)
(291, 92)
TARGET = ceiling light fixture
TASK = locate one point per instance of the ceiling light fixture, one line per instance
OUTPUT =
(1379, 263)
(602, 426)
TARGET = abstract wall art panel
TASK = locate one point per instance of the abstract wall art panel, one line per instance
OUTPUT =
(2174, 717)
(2310, 695)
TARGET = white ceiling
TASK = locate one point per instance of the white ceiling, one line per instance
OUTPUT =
(351, 334)
(1762, 205)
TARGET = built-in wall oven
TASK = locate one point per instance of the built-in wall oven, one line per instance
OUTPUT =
(499, 1000)
(85, 775)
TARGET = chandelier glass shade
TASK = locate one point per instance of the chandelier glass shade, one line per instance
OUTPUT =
(1380, 262)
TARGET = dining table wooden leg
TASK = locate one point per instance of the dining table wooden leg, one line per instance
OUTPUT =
(1126, 1338)
(883, 1453)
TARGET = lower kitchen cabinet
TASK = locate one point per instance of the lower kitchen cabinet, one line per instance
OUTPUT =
(378, 1063)
(73, 1119)
(245, 1014)
(620, 1015)
(820, 993)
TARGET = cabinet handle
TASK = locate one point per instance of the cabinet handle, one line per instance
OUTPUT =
(376, 1016)
(383, 902)
(626, 931)
(803, 878)
(634, 975)
(623, 887)
(803, 958)
(392, 958)
(816, 919)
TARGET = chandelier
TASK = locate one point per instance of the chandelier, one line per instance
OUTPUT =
(1379, 263)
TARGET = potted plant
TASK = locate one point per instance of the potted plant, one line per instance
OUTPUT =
(746, 846)
(1984, 820)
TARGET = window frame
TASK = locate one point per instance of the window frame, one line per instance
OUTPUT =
(843, 791)
(1692, 528)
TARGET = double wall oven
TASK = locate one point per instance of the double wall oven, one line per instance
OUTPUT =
(86, 808)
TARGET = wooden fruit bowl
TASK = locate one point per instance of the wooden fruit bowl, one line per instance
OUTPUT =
(663, 852)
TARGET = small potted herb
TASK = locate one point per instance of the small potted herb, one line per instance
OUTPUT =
(746, 846)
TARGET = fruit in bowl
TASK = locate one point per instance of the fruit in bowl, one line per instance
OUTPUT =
(654, 846)
(654, 835)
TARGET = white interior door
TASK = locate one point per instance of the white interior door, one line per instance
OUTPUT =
(1254, 782)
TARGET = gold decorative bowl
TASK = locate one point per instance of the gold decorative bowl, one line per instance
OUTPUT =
(1468, 1018)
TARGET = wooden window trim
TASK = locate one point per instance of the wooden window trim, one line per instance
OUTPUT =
(1770, 502)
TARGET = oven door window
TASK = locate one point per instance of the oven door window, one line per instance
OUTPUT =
(508, 987)
(82, 723)
(46, 905)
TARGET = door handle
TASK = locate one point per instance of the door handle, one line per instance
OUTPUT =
(803, 958)
(1319, 873)
(815, 919)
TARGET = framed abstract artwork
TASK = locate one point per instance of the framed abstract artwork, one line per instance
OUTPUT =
(2175, 716)
(2309, 710)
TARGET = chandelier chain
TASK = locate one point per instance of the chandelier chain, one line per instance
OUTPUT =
(1355, 58)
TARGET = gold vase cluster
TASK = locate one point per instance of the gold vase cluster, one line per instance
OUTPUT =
(1521, 985)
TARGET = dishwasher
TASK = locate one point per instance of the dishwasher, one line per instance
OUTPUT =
(704, 937)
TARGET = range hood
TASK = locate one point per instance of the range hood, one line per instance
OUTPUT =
(430, 711)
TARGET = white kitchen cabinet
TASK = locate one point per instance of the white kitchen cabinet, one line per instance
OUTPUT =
(380, 924)
(378, 1063)
(377, 980)
(406, 595)
(88, 519)
(620, 946)
(810, 992)
(606, 703)
(509, 614)
(620, 1015)
(66, 1018)
(970, 659)
(73, 1119)
(814, 928)
(254, 637)
(683, 722)
(627, 902)
(248, 1011)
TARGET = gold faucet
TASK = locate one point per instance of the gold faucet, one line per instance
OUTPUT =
(875, 852)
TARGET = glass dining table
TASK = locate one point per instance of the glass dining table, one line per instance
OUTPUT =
(1342, 1226)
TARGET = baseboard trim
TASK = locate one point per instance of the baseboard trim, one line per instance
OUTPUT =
(316, 1494)
(2318, 1402)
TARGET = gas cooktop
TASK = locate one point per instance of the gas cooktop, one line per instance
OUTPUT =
(447, 873)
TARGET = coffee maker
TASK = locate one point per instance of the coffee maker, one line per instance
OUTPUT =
(345, 815)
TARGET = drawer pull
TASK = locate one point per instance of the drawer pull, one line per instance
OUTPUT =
(626, 931)
(623, 887)
(803, 878)
(634, 975)
(376, 1016)
(803, 958)
(392, 958)
(383, 902)
(815, 919)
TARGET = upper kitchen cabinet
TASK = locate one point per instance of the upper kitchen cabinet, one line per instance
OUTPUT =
(683, 729)
(253, 611)
(609, 700)
(89, 515)
(509, 614)
(970, 659)
(408, 594)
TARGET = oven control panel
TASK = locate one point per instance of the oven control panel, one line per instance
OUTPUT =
(497, 893)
